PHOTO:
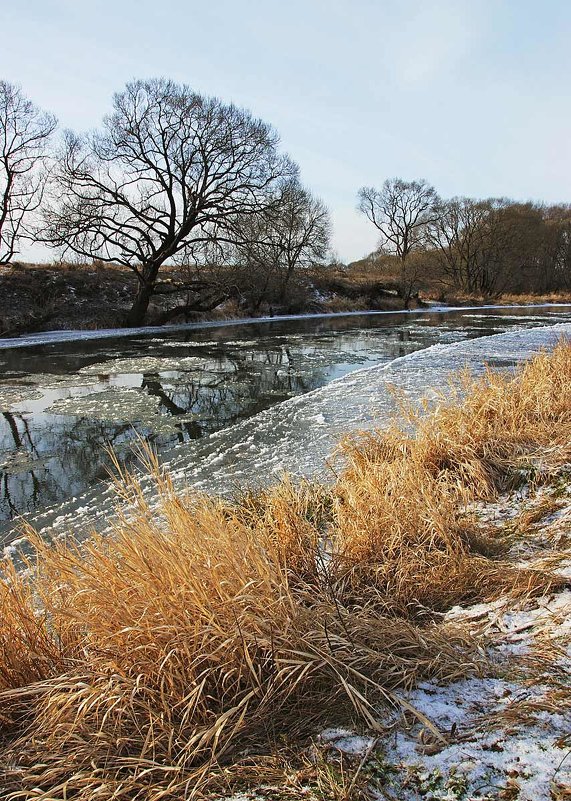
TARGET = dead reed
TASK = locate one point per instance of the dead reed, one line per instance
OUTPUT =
(144, 665)
(401, 521)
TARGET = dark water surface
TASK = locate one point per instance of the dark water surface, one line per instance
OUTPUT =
(63, 404)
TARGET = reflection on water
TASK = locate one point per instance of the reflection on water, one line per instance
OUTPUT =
(62, 406)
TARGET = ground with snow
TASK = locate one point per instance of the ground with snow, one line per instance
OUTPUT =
(502, 735)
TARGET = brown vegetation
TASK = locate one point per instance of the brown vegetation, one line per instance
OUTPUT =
(70, 295)
(164, 661)
(43, 297)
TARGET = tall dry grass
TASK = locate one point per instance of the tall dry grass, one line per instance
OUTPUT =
(401, 522)
(161, 653)
(144, 665)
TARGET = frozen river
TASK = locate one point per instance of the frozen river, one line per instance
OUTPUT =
(228, 404)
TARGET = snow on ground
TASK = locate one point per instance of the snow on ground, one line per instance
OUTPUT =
(506, 735)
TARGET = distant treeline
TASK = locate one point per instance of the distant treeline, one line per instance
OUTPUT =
(480, 247)
(173, 178)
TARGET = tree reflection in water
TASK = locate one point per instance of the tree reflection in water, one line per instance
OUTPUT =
(46, 458)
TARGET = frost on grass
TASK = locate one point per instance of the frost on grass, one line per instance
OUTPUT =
(346, 741)
(489, 750)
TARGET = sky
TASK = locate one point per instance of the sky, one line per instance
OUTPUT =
(471, 95)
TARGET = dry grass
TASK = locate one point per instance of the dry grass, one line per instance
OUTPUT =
(146, 665)
(158, 653)
(454, 296)
(527, 298)
(400, 521)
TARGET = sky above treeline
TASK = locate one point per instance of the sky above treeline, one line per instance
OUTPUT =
(472, 95)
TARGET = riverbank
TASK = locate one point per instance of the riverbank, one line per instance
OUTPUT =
(91, 297)
(127, 674)
(46, 297)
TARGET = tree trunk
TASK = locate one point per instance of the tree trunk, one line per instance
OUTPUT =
(198, 305)
(405, 289)
(138, 310)
(285, 284)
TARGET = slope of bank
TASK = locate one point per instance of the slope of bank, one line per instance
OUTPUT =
(67, 297)
(38, 298)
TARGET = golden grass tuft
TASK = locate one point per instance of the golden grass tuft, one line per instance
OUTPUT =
(145, 664)
(181, 636)
(400, 517)
(291, 516)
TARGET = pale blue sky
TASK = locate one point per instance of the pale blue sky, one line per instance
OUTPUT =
(473, 96)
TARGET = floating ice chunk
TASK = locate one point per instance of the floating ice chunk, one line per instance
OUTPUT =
(144, 364)
(12, 395)
(114, 404)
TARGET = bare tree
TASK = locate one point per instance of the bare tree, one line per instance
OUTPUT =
(401, 211)
(458, 234)
(302, 229)
(25, 131)
(168, 170)
(292, 232)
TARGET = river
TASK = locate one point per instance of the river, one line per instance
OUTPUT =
(221, 403)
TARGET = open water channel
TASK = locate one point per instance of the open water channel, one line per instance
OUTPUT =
(203, 397)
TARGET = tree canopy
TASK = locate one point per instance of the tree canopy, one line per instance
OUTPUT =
(168, 170)
(25, 131)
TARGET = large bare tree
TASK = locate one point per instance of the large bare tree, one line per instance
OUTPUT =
(169, 170)
(25, 131)
(401, 211)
